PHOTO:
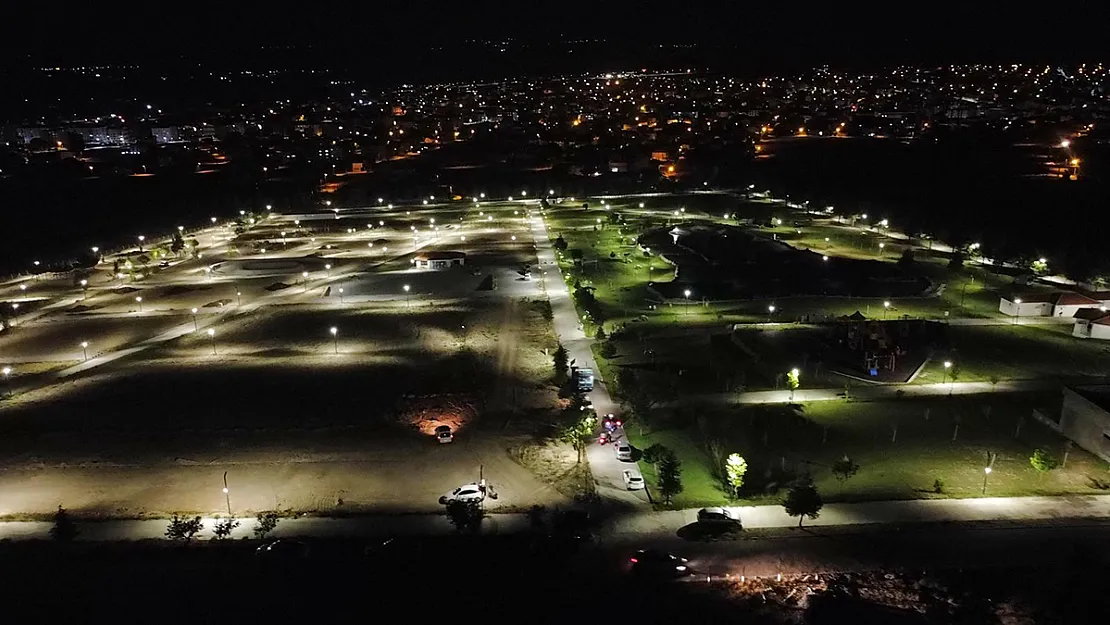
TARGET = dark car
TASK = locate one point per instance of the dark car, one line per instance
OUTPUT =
(660, 564)
(283, 550)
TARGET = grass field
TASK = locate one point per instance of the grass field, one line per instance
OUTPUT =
(781, 442)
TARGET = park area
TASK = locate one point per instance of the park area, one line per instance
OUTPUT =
(300, 420)
(908, 448)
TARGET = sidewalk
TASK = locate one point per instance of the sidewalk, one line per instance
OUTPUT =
(638, 524)
(884, 512)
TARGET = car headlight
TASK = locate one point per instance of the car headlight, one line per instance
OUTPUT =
(681, 567)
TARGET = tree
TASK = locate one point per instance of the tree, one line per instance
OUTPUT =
(793, 381)
(224, 527)
(609, 349)
(994, 380)
(907, 260)
(957, 261)
(559, 361)
(64, 529)
(735, 468)
(194, 247)
(578, 432)
(600, 334)
(465, 515)
(576, 255)
(1042, 462)
(264, 524)
(803, 500)
(655, 453)
(74, 142)
(177, 243)
(183, 528)
(844, 469)
(560, 243)
(670, 478)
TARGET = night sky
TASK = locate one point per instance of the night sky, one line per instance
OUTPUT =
(814, 33)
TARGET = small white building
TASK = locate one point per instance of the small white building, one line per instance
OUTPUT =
(439, 260)
(1064, 304)
(1092, 323)
(1085, 418)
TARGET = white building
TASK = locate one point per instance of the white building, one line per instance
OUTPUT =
(1092, 323)
(1064, 304)
(1085, 419)
(439, 260)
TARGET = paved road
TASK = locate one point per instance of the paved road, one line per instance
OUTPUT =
(606, 469)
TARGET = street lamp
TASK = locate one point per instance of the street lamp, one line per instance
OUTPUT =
(407, 300)
(335, 338)
(947, 366)
(687, 294)
(1017, 309)
(213, 219)
(139, 300)
(239, 297)
(304, 274)
(770, 312)
(195, 328)
(886, 306)
(881, 246)
(141, 239)
(328, 268)
(340, 295)
(227, 495)
(212, 335)
(986, 474)
(85, 349)
(84, 289)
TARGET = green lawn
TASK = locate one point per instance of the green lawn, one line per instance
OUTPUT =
(1018, 352)
(780, 442)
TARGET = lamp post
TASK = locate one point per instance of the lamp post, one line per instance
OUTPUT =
(85, 350)
(408, 302)
(84, 289)
(7, 371)
(328, 268)
(212, 335)
(986, 474)
(886, 306)
(227, 495)
(141, 239)
(335, 338)
(770, 311)
(340, 295)
(944, 377)
(195, 327)
(1017, 309)
(139, 300)
(881, 246)
(239, 297)
(687, 294)
(304, 274)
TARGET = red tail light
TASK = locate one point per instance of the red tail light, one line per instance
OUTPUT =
(618, 423)
(633, 560)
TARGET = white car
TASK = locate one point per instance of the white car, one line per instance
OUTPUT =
(444, 435)
(623, 450)
(632, 481)
(466, 492)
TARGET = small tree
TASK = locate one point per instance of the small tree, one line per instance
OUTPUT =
(559, 361)
(600, 334)
(609, 349)
(560, 243)
(1042, 462)
(183, 528)
(578, 433)
(803, 500)
(264, 524)
(465, 515)
(735, 469)
(64, 529)
(670, 478)
(844, 469)
(224, 527)
(994, 380)
(655, 453)
(793, 381)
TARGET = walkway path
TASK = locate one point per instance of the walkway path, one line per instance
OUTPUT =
(634, 524)
(606, 469)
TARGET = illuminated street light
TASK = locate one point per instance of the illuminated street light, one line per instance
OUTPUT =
(340, 295)
(227, 496)
(770, 311)
(947, 366)
(328, 268)
(141, 239)
(269, 207)
(195, 327)
(1065, 144)
(407, 300)
(84, 289)
(1017, 309)
(687, 294)
(335, 338)
(85, 349)
(986, 474)
(213, 219)
(304, 274)
(886, 306)
(139, 300)
(212, 335)
(239, 298)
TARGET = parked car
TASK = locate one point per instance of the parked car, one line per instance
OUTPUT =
(444, 435)
(623, 450)
(718, 516)
(633, 481)
(466, 492)
(654, 563)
